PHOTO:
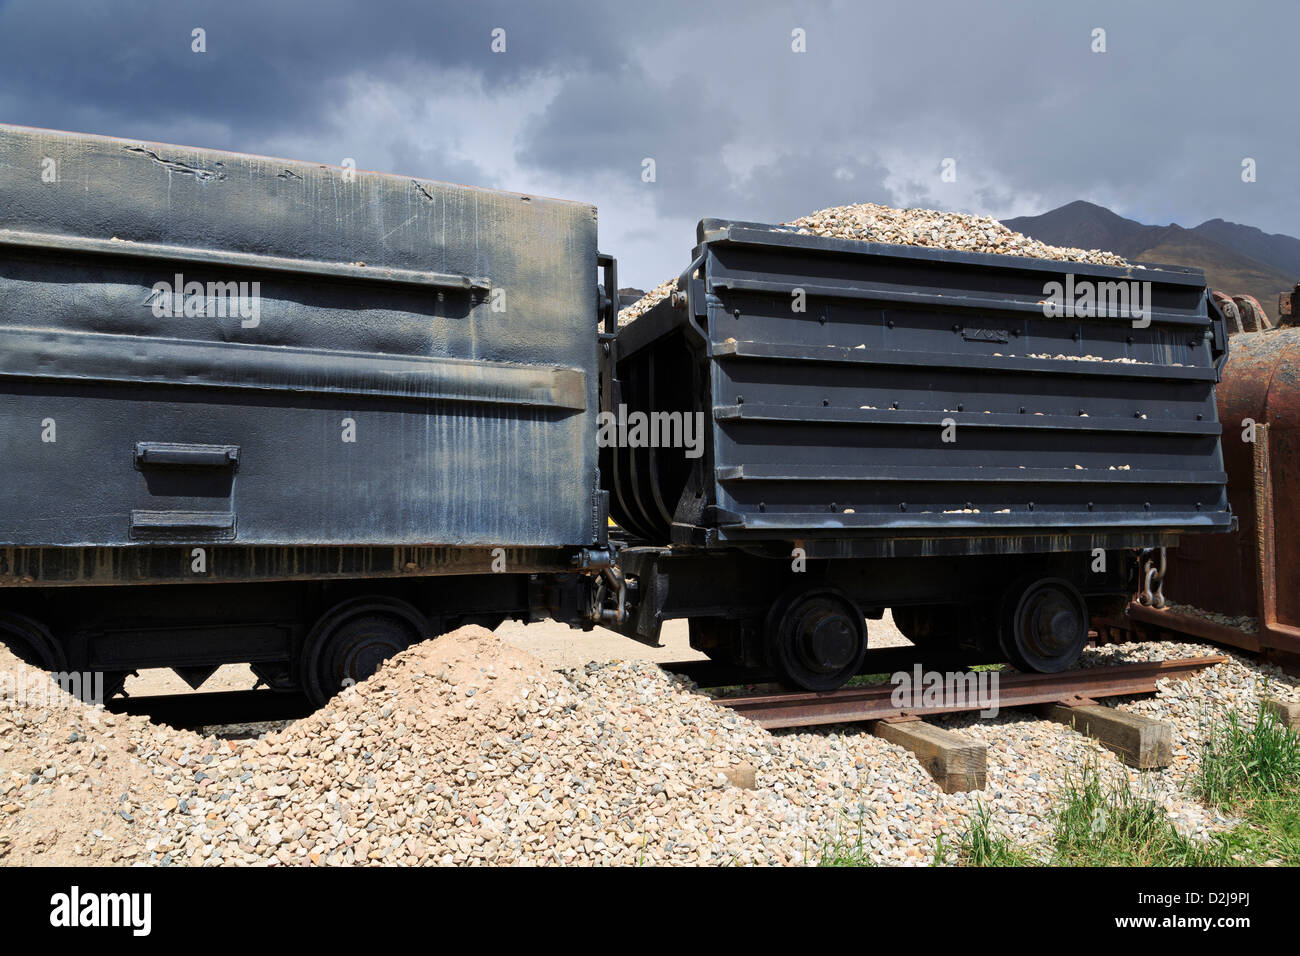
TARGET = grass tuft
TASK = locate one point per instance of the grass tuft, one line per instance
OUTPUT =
(981, 846)
(843, 852)
(1108, 825)
(1241, 764)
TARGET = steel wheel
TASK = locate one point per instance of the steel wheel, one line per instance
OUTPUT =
(1045, 626)
(817, 639)
(352, 639)
(31, 642)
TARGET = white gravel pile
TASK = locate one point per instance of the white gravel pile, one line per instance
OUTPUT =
(465, 750)
(869, 222)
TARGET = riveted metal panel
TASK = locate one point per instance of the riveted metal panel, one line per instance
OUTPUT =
(861, 390)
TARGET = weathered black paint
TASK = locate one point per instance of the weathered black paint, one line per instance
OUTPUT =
(827, 425)
(473, 426)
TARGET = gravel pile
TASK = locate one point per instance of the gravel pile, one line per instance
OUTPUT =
(869, 222)
(1242, 622)
(647, 302)
(465, 750)
(73, 785)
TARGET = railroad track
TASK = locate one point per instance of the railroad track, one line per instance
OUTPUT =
(771, 710)
(1071, 688)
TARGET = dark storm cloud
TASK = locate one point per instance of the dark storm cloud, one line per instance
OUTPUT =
(268, 65)
(1156, 126)
(738, 124)
(607, 120)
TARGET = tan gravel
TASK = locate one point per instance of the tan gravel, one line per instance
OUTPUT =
(466, 750)
(869, 222)
(647, 302)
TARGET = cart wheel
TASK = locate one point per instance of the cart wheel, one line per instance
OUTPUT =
(31, 642)
(352, 639)
(816, 638)
(1044, 625)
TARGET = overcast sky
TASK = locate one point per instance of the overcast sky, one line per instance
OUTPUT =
(738, 123)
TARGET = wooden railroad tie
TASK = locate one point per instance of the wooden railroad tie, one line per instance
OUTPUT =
(1141, 742)
(956, 762)
(1287, 712)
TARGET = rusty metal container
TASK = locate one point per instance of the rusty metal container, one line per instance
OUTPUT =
(1255, 571)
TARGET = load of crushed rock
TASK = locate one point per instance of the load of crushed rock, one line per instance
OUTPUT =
(465, 750)
(1242, 622)
(869, 222)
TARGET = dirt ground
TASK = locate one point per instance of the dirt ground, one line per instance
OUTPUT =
(555, 644)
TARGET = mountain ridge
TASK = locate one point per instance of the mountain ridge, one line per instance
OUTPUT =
(1237, 259)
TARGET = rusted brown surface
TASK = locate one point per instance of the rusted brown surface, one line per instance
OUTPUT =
(1154, 624)
(1164, 624)
(1253, 316)
(1254, 571)
(1288, 306)
(1229, 309)
(1013, 690)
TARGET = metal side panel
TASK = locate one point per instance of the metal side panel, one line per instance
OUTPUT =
(1252, 572)
(922, 392)
(200, 346)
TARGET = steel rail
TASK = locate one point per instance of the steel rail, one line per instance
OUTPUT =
(850, 704)
(875, 702)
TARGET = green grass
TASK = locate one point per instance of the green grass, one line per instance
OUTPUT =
(1243, 764)
(1253, 773)
(1100, 824)
(866, 680)
(1096, 825)
(845, 852)
(1269, 833)
(981, 846)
